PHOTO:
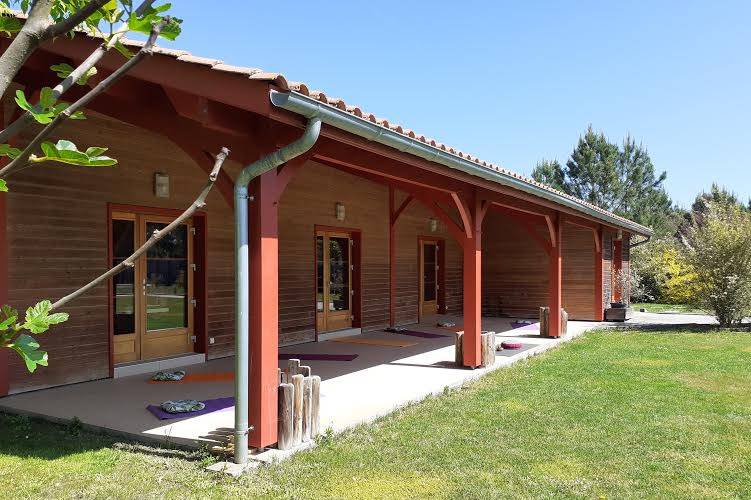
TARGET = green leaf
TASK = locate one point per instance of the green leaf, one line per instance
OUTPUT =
(47, 98)
(39, 319)
(22, 102)
(5, 324)
(28, 348)
(6, 312)
(67, 152)
(10, 152)
(3, 186)
(95, 151)
(144, 23)
(41, 114)
(63, 70)
(122, 49)
(10, 24)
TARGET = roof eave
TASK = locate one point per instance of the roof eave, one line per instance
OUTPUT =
(343, 120)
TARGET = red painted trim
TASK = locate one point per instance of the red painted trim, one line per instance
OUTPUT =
(552, 231)
(110, 293)
(395, 214)
(392, 258)
(264, 311)
(556, 268)
(616, 266)
(465, 214)
(4, 290)
(599, 293)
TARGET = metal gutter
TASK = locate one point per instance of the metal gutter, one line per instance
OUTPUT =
(330, 115)
(242, 275)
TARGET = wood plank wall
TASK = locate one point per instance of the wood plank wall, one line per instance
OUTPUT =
(578, 272)
(58, 240)
(413, 223)
(309, 201)
(515, 270)
(57, 223)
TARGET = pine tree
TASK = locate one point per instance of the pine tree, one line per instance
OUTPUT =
(619, 179)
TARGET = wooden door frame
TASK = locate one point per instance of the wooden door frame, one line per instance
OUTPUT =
(441, 296)
(200, 277)
(356, 301)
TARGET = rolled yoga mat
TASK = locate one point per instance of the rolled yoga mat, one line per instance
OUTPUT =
(212, 405)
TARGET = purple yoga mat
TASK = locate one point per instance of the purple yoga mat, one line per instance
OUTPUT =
(317, 357)
(212, 405)
(424, 335)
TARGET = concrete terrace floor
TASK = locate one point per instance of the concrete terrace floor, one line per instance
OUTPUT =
(380, 380)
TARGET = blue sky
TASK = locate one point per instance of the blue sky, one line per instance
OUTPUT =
(514, 82)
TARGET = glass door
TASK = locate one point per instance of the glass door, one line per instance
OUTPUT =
(333, 281)
(428, 278)
(152, 302)
(167, 290)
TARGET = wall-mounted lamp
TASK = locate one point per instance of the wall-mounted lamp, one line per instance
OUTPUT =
(340, 211)
(620, 234)
(433, 225)
(161, 185)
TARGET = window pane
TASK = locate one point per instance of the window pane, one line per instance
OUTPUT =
(338, 298)
(167, 280)
(339, 261)
(174, 245)
(123, 284)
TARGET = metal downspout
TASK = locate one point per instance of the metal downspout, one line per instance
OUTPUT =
(242, 275)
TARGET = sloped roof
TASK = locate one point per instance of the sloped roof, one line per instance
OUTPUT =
(284, 84)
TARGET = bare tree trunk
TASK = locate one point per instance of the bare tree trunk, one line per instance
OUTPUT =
(24, 43)
(199, 203)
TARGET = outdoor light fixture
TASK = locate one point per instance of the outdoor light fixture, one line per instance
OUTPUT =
(340, 212)
(433, 224)
(620, 234)
(161, 185)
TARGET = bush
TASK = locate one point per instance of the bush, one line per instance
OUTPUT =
(665, 273)
(720, 253)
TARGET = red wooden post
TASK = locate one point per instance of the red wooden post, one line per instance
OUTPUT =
(617, 266)
(264, 311)
(472, 270)
(4, 369)
(599, 293)
(392, 259)
(556, 264)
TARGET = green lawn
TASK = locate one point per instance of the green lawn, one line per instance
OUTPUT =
(661, 308)
(615, 414)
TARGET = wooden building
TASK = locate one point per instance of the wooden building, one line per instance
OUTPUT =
(354, 234)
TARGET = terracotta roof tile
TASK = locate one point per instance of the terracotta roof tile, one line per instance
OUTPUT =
(280, 81)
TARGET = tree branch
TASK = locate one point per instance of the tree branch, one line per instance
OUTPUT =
(27, 119)
(74, 20)
(102, 86)
(130, 261)
(24, 43)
